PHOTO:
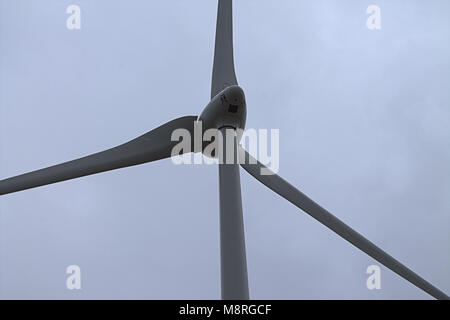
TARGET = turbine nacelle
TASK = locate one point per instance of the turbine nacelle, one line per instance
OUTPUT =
(226, 109)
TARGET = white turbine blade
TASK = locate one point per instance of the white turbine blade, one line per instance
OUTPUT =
(290, 193)
(152, 146)
(223, 69)
(233, 261)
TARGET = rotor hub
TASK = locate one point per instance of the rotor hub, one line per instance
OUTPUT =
(226, 109)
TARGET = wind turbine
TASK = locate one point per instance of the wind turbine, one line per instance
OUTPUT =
(225, 111)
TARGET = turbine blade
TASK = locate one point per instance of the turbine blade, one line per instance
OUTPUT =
(153, 145)
(223, 69)
(297, 198)
(233, 262)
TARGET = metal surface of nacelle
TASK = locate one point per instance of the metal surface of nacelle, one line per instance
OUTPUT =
(226, 109)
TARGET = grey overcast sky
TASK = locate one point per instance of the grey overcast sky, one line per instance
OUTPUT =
(364, 119)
